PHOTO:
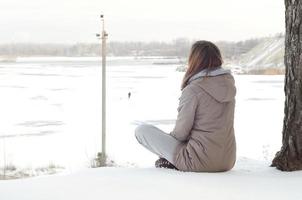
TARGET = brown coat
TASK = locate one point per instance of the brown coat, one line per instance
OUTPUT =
(205, 125)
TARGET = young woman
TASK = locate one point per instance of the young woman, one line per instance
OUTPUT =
(203, 138)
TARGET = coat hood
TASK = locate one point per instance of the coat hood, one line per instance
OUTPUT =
(218, 83)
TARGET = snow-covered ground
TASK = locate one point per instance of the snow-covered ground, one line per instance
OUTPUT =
(249, 180)
(51, 114)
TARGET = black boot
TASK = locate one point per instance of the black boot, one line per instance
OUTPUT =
(163, 163)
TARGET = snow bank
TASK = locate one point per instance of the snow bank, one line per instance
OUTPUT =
(248, 180)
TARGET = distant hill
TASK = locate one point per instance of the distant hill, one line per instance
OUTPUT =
(267, 55)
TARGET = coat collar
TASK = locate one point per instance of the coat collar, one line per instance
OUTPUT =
(203, 73)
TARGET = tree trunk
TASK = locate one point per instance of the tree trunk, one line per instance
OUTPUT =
(289, 158)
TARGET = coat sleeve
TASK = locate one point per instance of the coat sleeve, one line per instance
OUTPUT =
(186, 114)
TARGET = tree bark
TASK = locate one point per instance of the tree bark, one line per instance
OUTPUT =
(289, 158)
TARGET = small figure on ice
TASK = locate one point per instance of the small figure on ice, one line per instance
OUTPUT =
(129, 95)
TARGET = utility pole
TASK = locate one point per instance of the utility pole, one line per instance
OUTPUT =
(102, 156)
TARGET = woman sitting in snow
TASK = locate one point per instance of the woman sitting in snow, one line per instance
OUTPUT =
(203, 138)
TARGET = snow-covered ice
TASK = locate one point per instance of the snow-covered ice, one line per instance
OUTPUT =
(51, 110)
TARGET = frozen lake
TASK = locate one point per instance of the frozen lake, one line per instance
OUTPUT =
(51, 110)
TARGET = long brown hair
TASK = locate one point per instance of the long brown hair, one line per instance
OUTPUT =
(203, 55)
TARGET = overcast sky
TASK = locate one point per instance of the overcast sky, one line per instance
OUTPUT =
(70, 21)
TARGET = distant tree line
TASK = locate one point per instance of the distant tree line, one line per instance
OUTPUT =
(30, 49)
(179, 47)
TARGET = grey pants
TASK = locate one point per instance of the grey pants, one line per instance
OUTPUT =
(157, 141)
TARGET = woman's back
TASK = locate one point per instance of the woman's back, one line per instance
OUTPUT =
(203, 138)
(207, 106)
